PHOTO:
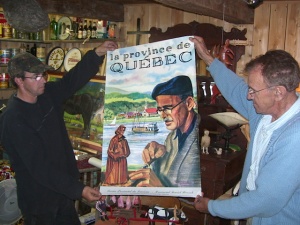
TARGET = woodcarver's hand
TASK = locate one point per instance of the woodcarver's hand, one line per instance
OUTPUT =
(144, 178)
(153, 151)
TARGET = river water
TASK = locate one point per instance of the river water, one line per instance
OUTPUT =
(137, 142)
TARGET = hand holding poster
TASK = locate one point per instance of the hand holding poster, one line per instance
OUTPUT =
(152, 148)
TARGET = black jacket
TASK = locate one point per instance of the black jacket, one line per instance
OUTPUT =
(36, 140)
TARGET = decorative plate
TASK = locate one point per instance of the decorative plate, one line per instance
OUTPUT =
(56, 57)
(64, 25)
(73, 56)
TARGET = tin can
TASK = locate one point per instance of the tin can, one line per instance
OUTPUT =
(5, 56)
(14, 33)
(14, 51)
(4, 81)
(41, 53)
(37, 36)
(6, 31)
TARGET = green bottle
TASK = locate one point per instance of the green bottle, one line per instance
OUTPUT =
(53, 29)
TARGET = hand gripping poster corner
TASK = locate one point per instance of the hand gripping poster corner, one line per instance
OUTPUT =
(150, 134)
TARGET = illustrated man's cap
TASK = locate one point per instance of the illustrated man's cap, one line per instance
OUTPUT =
(180, 85)
(26, 62)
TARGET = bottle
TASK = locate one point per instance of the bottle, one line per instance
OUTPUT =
(85, 29)
(33, 49)
(101, 29)
(94, 30)
(37, 36)
(111, 30)
(105, 27)
(14, 33)
(80, 31)
(75, 27)
(99, 33)
(90, 28)
(27, 49)
(22, 48)
(53, 29)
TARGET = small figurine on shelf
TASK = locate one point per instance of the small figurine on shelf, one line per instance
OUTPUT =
(205, 142)
(101, 207)
(219, 151)
(121, 202)
(172, 215)
(112, 200)
(128, 202)
(136, 201)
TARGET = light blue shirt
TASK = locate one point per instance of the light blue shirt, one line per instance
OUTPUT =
(277, 196)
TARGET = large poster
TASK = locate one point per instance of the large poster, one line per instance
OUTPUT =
(150, 134)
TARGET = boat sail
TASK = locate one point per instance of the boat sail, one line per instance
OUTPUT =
(139, 127)
(113, 123)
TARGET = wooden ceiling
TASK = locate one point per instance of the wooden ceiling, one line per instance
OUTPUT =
(233, 11)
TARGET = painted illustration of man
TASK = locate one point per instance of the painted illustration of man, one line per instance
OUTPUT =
(117, 153)
(176, 163)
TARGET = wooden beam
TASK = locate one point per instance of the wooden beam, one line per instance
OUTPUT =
(284, 1)
(103, 10)
(235, 11)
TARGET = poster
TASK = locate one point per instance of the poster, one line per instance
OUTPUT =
(149, 90)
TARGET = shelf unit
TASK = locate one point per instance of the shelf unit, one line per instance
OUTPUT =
(59, 41)
(83, 45)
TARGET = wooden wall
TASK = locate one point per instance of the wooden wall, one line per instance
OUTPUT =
(154, 15)
(277, 26)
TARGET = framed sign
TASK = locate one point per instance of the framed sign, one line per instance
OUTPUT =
(73, 56)
(56, 57)
(84, 115)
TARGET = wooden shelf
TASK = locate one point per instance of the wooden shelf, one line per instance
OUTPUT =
(21, 40)
(82, 40)
(60, 41)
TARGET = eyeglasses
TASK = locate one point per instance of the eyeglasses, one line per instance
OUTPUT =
(251, 91)
(168, 110)
(38, 77)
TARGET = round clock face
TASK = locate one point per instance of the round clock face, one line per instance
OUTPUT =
(73, 56)
(56, 57)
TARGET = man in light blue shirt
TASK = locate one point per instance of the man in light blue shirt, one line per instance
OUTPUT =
(270, 185)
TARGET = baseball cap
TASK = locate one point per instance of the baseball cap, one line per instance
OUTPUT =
(26, 62)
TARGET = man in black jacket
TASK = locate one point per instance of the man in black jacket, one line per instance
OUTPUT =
(34, 136)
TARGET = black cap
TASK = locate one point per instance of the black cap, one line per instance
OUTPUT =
(26, 62)
(180, 85)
